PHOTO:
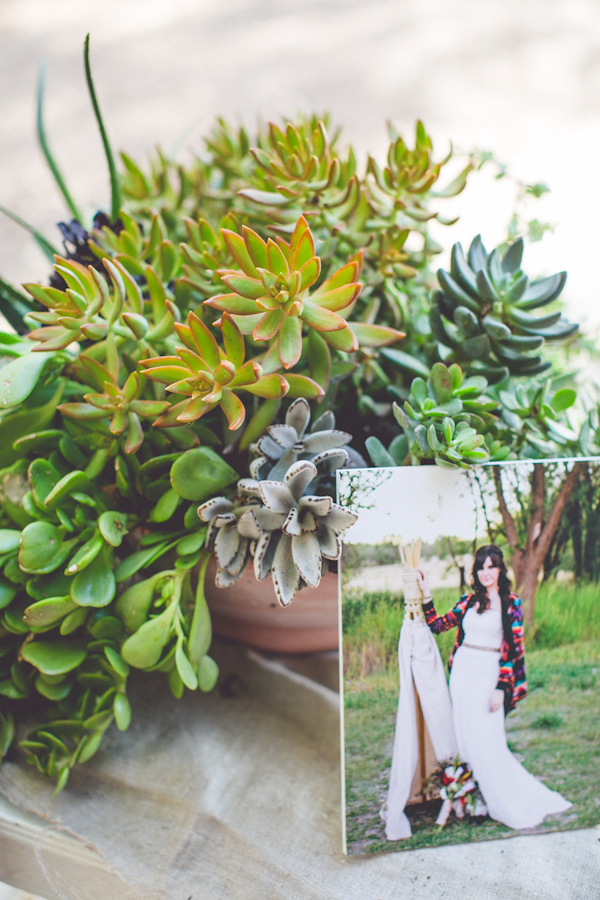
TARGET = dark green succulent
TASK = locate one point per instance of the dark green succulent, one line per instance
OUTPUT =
(485, 315)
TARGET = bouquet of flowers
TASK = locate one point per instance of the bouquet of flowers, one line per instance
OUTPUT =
(459, 791)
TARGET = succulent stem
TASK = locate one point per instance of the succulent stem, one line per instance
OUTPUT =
(114, 178)
(41, 241)
(43, 142)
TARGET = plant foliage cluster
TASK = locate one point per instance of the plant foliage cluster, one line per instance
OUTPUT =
(158, 362)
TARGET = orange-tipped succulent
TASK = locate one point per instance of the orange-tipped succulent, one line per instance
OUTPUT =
(72, 314)
(271, 298)
(123, 405)
(210, 376)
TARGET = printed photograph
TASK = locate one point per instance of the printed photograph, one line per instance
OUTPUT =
(470, 610)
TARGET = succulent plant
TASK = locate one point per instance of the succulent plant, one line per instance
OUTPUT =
(70, 497)
(231, 546)
(444, 419)
(284, 444)
(74, 314)
(299, 167)
(205, 253)
(294, 531)
(533, 414)
(122, 404)
(211, 376)
(114, 410)
(251, 525)
(484, 316)
(270, 295)
(401, 189)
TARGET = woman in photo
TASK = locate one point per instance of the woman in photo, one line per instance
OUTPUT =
(487, 679)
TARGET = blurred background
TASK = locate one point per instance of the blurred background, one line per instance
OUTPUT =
(519, 79)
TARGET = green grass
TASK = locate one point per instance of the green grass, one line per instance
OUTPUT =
(565, 614)
(555, 730)
(371, 622)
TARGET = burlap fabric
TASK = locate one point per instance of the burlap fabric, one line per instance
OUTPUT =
(236, 796)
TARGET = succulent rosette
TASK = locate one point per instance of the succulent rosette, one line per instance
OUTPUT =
(230, 546)
(486, 312)
(279, 517)
(288, 531)
(295, 531)
(210, 375)
(291, 440)
(270, 296)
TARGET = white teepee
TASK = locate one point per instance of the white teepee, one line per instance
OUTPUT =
(424, 730)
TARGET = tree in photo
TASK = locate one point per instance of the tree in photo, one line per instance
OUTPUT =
(530, 534)
(576, 542)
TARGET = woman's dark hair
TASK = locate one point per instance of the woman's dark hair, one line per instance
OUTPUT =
(479, 592)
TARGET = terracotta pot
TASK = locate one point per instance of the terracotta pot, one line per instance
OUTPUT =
(248, 612)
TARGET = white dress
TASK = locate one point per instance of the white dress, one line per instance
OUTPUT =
(513, 796)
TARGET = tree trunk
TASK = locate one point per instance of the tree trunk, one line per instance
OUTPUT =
(527, 561)
(577, 540)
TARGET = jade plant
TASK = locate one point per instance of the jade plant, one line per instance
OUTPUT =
(157, 390)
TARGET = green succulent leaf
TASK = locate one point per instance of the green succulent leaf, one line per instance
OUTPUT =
(9, 540)
(379, 455)
(48, 612)
(95, 585)
(54, 692)
(42, 548)
(113, 527)
(85, 555)
(19, 378)
(7, 733)
(200, 636)
(185, 668)
(563, 399)
(133, 605)
(208, 674)
(54, 657)
(122, 711)
(64, 488)
(201, 473)
(143, 649)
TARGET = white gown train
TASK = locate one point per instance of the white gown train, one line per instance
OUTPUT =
(513, 796)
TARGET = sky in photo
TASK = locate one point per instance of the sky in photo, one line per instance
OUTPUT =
(427, 502)
(415, 502)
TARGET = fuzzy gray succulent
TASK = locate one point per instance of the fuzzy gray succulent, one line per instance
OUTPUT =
(288, 529)
(230, 544)
(290, 441)
(294, 532)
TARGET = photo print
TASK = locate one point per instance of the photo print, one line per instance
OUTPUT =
(470, 618)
